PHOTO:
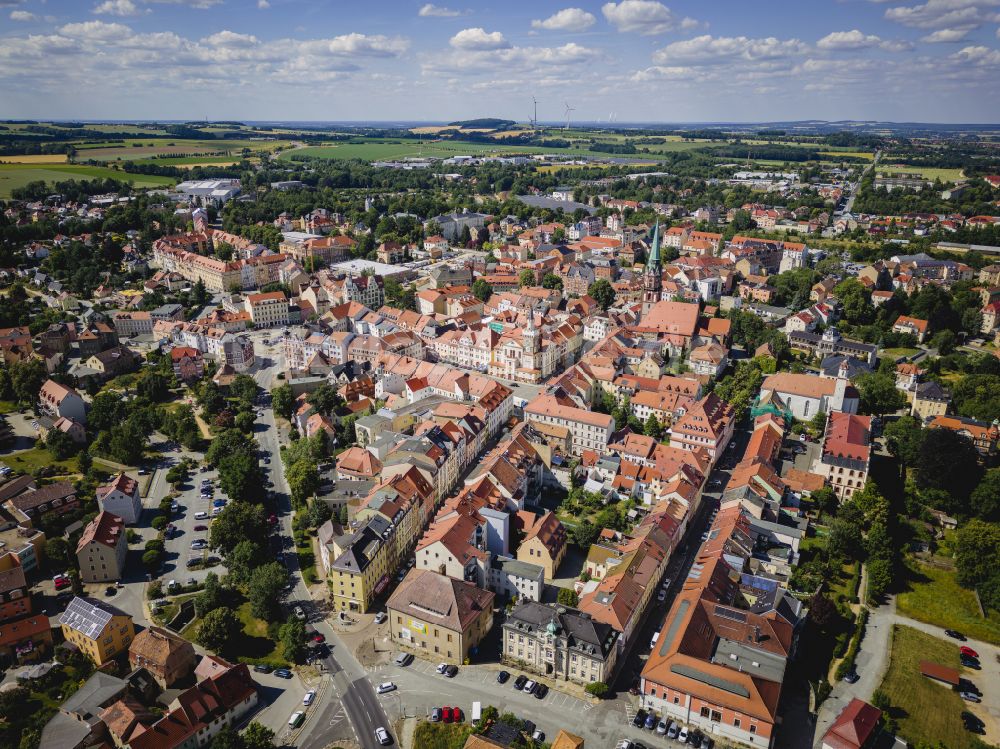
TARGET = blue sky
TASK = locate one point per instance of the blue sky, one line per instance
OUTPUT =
(633, 60)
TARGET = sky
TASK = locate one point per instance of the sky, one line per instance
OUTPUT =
(624, 61)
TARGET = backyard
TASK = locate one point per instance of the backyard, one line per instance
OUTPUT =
(928, 713)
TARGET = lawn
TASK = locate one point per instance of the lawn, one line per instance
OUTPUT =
(945, 174)
(441, 735)
(28, 461)
(13, 176)
(255, 645)
(7, 407)
(897, 352)
(928, 712)
(934, 596)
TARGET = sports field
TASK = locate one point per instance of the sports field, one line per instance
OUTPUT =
(927, 172)
(18, 175)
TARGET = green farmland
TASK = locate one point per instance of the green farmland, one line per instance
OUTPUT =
(13, 176)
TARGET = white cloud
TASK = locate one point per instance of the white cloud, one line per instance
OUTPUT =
(940, 36)
(936, 14)
(364, 45)
(978, 55)
(118, 8)
(516, 60)
(263, 4)
(567, 19)
(22, 15)
(478, 39)
(437, 11)
(96, 31)
(199, 4)
(853, 39)
(646, 17)
(663, 73)
(708, 50)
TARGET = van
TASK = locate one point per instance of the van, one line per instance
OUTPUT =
(296, 720)
(656, 636)
(477, 711)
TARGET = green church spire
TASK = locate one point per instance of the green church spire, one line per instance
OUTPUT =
(654, 253)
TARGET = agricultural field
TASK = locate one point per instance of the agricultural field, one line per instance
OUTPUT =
(35, 158)
(927, 172)
(140, 150)
(13, 176)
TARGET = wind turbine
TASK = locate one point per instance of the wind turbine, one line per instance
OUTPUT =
(534, 120)
(568, 110)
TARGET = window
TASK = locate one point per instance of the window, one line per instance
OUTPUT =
(716, 716)
(677, 699)
(736, 722)
(753, 729)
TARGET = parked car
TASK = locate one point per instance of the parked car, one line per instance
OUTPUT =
(540, 691)
(970, 662)
(683, 735)
(520, 681)
(385, 686)
(624, 744)
(673, 730)
(538, 736)
(441, 667)
(456, 715)
(969, 697)
(529, 686)
(435, 715)
(851, 677)
(967, 651)
(404, 659)
(955, 634)
(650, 723)
(529, 727)
(309, 697)
(639, 719)
(502, 677)
(262, 668)
(201, 515)
(451, 672)
(380, 617)
(283, 673)
(382, 736)
(661, 727)
(446, 715)
(300, 613)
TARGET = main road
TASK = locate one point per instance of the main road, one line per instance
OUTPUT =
(348, 687)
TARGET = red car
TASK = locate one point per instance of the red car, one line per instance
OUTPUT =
(62, 582)
(272, 520)
(446, 714)
(318, 638)
(456, 714)
(966, 650)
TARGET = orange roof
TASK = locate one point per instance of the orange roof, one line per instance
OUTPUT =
(106, 529)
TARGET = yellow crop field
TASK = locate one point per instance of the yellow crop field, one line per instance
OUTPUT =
(35, 158)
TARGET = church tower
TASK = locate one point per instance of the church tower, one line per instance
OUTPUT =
(531, 340)
(652, 280)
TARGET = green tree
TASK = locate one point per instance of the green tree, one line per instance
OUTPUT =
(325, 399)
(481, 290)
(584, 533)
(258, 736)
(526, 278)
(264, 590)
(652, 427)
(985, 500)
(244, 558)
(303, 480)
(552, 281)
(879, 394)
(977, 550)
(60, 444)
(26, 379)
(57, 552)
(218, 628)
(903, 438)
(241, 478)
(282, 401)
(244, 389)
(568, 597)
(292, 635)
(602, 292)
(944, 341)
(948, 462)
(597, 689)
(210, 596)
(319, 513)
(238, 521)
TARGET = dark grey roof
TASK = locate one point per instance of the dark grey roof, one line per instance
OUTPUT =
(831, 366)
(581, 631)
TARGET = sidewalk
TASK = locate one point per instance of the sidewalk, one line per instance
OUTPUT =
(872, 661)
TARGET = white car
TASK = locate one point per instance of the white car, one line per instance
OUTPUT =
(673, 730)
(442, 667)
(538, 736)
(310, 696)
(199, 544)
(382, 736)
(624, 744)
(385, 686)
(299, 613)
(662, 595)
(380, 617)
(683, 735)
(970, 697)
(201, 515)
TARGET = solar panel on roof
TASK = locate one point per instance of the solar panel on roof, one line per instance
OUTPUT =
(726, 613)
(710, 679)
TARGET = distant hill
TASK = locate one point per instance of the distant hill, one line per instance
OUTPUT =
(483, 122)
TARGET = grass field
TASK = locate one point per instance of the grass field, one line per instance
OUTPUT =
(18, 175)
(35, 158)
(897, 352)
(934, 596)
(834, 155)
(927, 172)
(928, 712)
(28, 461)
(441, 735)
